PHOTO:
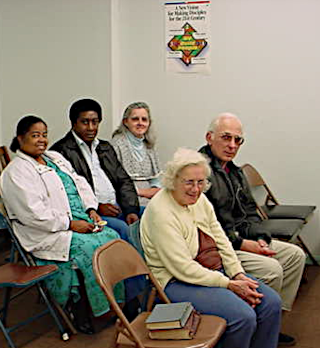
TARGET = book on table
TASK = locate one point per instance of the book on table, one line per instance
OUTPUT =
(169, 316)
(184, 333)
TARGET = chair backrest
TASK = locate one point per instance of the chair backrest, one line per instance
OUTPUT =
(16, 248)
(18, 252)
(114, 262)
(4, 157)
(4, 160)
(134, 237)
(256, 181)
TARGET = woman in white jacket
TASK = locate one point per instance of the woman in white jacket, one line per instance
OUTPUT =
(53, 211)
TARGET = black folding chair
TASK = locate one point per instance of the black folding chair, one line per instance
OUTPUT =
(271, 206)
(284, 221)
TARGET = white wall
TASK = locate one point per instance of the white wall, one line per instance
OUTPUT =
(52, 53)
(265, 68)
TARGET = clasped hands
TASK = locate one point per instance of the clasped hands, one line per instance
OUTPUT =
(246, 288)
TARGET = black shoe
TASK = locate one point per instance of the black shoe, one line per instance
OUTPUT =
(286, 340)
(132, 309)
(79, 318)
(85, 328)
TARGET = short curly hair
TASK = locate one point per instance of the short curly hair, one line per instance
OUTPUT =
(183, 158)
(83, 105)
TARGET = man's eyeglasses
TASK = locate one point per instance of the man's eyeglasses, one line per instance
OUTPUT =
(191, 183)
(227, 137)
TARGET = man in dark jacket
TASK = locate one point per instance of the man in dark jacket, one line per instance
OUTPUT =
(278, 264)
(97, 161)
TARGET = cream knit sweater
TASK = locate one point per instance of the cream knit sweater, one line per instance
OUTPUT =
(169, 236)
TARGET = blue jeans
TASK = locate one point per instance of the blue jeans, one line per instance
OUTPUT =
(246, 327)
(119, 224)
(134, 286)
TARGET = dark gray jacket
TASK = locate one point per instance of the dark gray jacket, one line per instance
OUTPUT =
(233, 202)
(126, 194)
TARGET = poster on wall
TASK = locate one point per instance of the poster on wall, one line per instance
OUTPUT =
(187, 36)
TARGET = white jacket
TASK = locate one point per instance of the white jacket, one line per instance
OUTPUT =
(38, 205)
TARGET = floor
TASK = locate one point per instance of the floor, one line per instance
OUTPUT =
(302, 322)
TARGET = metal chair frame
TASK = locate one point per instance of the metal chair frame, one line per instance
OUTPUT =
(4, 157)
(255, 180)
(118, 260)
(18, 252)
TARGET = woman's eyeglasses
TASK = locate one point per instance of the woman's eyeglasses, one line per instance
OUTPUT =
(137, 119)
(191, 183)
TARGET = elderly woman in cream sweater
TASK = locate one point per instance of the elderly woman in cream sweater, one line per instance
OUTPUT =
(193, 260)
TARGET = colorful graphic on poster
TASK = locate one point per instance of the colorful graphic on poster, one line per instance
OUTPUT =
(187, 36)
(187, 44)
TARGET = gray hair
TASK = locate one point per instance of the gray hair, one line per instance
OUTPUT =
(217, 120)
(183, 158)
(149, 137)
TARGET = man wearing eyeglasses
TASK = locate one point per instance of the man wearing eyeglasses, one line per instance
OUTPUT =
(278, 264)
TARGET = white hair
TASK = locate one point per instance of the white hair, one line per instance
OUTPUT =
(215, 123)
(183, 158)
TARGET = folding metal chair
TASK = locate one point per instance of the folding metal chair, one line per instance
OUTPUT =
(271, 207)
(24, 277)
(13, 275)
(4, 157)
(134, 237)
(284, 221)
(118, 260)
(4, 161)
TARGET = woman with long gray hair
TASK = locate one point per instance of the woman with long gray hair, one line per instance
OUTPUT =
(134, 143)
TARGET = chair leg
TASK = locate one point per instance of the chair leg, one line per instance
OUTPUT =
(64, 316)
(305, 248)
(64, 334)
(6, 335)
(6, 300)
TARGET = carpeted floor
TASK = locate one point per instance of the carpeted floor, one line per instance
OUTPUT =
(302, 322)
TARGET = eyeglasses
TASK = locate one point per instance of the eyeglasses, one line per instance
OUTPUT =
(139, 119)
(191, 183)
(227, 137)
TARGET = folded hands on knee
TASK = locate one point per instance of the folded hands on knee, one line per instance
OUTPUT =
(246, 288)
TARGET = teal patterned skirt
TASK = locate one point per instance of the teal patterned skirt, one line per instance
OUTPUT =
(65, 284)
